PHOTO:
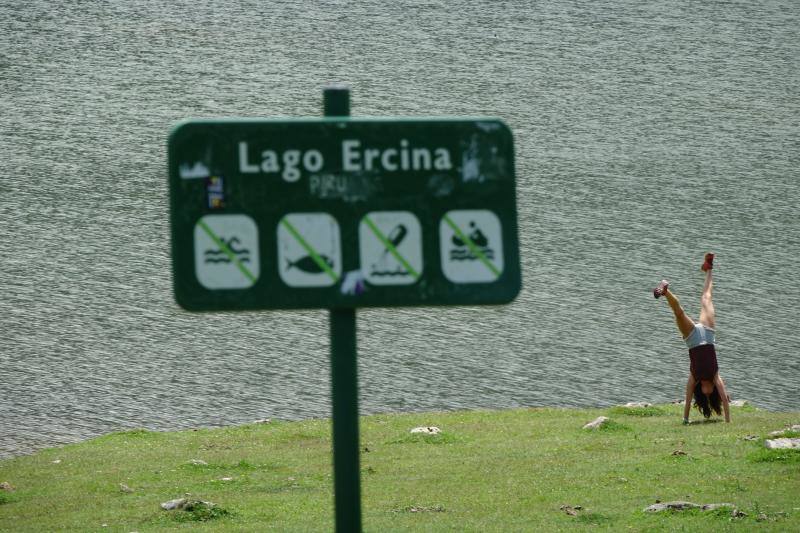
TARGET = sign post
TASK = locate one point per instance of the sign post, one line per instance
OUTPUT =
(344, 383)
(339, 213)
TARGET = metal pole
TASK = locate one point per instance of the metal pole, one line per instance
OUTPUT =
(344, 382)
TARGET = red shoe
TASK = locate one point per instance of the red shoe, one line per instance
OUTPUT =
(661, 289)
(708, 264)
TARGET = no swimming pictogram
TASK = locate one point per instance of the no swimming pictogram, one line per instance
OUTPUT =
(226, 252)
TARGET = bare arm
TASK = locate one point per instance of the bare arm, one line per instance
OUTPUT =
(726, 408)
(687, 404)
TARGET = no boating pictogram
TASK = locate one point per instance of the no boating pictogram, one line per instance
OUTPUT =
(471, 246)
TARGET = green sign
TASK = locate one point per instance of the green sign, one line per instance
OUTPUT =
(342, 213)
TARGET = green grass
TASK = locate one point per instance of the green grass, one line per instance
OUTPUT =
(507, 470)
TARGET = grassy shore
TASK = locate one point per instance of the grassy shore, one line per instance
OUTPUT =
(511, 470)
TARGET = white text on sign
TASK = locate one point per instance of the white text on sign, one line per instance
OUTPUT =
(355, 157)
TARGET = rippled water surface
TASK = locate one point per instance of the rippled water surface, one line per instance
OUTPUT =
(646, 133)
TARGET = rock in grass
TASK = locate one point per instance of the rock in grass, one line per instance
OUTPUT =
(198, 462)
(7, 487)
(674, 506)
(683, 506)
(197, 505)
(715, 506)
(174, 504)
(571, 510)
(597, 422)
(791, 429)
(125, 488)
(638, 404)
(782, 444)
(739, 403)
(185, 504)
(427, 430)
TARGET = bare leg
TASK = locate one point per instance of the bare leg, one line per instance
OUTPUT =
(726, 405)
(685, 324)
(687, 404)
(707, 316)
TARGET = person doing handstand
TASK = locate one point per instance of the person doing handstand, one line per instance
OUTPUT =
(704, 382)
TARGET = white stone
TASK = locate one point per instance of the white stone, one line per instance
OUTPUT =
(198, 462)
(677, 506)
(715, 506)
(682, 506)
(781, 444)
(597, 422)
(174, 504)
(427, 430)
(637, 404)
(738, 403)
(795, 429)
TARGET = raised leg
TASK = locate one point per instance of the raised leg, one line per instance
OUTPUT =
(707, 315)
(685, 324)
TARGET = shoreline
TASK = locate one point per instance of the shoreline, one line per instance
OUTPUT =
(36, 449)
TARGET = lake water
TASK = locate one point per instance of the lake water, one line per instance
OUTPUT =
(646, 133)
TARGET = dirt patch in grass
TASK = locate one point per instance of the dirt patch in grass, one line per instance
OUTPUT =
(422, 438)
(612, 427)
(421, 509)
(638, 411)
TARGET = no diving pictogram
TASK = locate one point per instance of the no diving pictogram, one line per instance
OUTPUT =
(390, 247)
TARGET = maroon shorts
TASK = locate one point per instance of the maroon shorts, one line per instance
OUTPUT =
(703, 362)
